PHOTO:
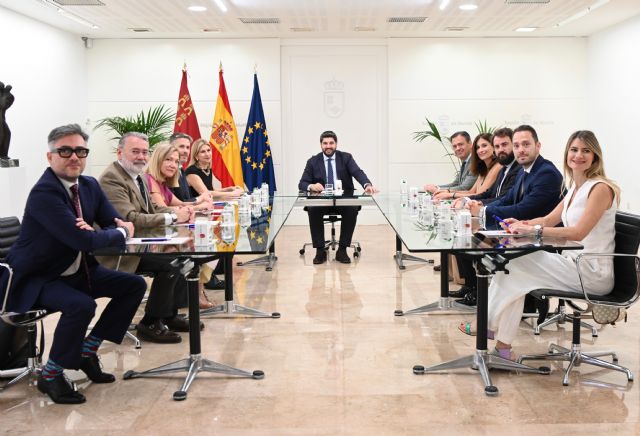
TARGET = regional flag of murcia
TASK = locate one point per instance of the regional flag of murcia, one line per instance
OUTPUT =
(226, 163)
(186, 120)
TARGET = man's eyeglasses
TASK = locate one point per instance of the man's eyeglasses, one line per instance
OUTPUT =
(66, 152)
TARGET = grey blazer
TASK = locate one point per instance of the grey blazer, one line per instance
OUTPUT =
(464, 180)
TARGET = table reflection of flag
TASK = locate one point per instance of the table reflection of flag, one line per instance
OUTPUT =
(258, 231)
(255, 149)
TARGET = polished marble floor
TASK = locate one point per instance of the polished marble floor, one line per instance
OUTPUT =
(339, 362)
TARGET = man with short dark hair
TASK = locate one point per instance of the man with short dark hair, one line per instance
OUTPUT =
(464, 180)
(535, 192)
(325, 168)
(54, 269)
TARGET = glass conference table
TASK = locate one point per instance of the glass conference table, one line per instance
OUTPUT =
(252, 237)
(491, 254)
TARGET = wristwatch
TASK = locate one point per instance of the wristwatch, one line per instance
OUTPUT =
(538, 230)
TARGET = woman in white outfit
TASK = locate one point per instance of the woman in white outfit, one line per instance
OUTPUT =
(587, 213)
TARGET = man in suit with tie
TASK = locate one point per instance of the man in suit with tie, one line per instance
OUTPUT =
(503, 148)
(535, 192)
(54, 270)
(464, 180)
(325, 168)
(124, 187)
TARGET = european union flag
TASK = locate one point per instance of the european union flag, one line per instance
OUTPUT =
(257, 162)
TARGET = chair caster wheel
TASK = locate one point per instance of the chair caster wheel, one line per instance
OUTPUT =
(418, 369)
(536, 333)
(544, 370)
(129, 374)
(356, 254)
(402, 267)
(398, 312)
(179, 395)
(275, 315)
(258, 374)
(358, 249)
(301, 252)
(491, 391)
(268, 268)
(565, 384)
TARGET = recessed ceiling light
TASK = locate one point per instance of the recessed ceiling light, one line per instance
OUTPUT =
(212, 29)
(197, 8)
(526, 29)
(444, 4)
(468, 7)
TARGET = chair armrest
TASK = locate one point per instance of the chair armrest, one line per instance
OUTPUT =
(627, 303)
(6, 291)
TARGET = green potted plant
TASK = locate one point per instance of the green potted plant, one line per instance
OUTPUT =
(434, 133)
(156, 123)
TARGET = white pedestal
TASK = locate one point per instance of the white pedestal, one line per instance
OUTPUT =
(13, 191)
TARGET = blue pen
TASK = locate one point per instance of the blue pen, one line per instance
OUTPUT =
(501, 220)
(154, 239)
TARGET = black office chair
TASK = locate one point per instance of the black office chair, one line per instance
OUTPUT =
(626, 291)
(333, 242)
(9, 230)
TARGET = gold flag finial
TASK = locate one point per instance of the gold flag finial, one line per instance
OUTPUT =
(255, 68)
(221, 66)
(184, 66)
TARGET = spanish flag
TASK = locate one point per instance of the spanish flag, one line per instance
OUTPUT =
(227, 166)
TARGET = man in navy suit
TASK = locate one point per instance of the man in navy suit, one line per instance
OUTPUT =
(327, 167)
(536, 191)
(54, 270)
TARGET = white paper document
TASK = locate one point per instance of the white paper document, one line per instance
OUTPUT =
(158, 241)
(500, 233)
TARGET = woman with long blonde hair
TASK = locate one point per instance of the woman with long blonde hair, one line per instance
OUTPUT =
(199, 174)
(587, 213)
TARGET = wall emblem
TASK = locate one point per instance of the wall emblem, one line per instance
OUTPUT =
(334, 98)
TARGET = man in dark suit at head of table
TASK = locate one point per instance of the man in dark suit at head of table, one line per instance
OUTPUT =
(325, 168)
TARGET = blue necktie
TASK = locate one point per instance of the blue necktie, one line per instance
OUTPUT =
(329, 172)
(521, 193)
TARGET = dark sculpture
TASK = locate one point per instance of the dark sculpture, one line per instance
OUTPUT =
(6, 100)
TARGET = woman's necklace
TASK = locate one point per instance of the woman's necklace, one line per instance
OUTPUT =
(206, 171)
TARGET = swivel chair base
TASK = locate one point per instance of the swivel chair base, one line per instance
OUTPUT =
(560, 317)
(575, 356)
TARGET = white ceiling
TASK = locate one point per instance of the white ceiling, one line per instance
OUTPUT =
(326, 18)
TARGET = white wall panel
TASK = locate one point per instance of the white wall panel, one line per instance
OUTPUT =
(457, 82)
(613, 70)
(340, 88)
(128, 76)
(47, 69)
